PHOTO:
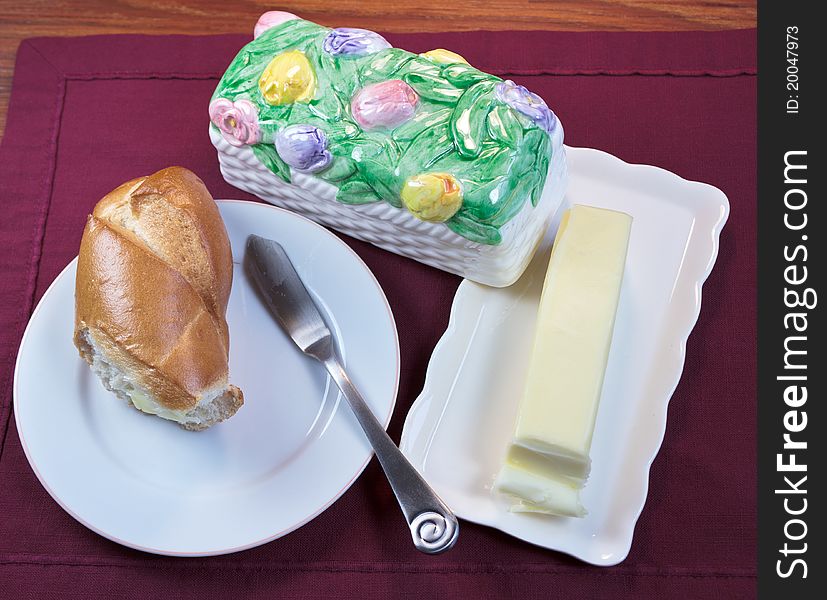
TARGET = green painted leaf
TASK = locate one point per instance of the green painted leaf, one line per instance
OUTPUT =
(341, 168)
(532, 142)
(341, 68)
(504, 127)
(493, 161)
(326, 106)
(483, 201)
(384, 65)
(519, 194)
(280, 115)
(421, 66)
(468, 119)
(470, 229)
(434, 142)
(357, 192)
(341, 130)
(373, 145)
(390, 149)
(381, 178)
(462, 75)
(432, 88)
(537, 191)
(268, 156)
(543, 159)
(359, 148)
(421, 121)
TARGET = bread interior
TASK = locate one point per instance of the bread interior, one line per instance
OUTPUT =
(214, 405)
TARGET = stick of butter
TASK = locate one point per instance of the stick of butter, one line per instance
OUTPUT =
(548, 459)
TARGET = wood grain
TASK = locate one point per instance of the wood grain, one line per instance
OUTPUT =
(29, 18)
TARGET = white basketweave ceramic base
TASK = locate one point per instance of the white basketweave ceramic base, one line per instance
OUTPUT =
(397, 230)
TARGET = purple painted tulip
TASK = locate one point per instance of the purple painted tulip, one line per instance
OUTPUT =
(385, 104)
(237, 121)
(303, 147)
(527, 103)
(349, 41)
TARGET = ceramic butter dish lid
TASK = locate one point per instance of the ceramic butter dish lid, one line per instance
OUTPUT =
(423, 154)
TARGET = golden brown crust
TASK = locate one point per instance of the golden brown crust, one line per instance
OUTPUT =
(173, 215)
(184, 222)
(153, 282)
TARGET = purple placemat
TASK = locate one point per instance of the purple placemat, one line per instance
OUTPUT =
(89, 113)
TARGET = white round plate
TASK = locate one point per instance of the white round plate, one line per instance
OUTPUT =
(289, 452)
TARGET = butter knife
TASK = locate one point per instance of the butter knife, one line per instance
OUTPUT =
(433, 526)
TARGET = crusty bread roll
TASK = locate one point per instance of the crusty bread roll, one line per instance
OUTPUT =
(153, 282)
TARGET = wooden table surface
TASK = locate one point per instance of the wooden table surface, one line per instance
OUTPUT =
(29, 18)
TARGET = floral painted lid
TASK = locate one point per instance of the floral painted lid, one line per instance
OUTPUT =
(425, 133)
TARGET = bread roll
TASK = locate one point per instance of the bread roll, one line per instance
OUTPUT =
(153, 281)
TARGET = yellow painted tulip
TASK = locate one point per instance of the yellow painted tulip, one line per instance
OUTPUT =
(433, 197)
(288, 78)
(442, 56)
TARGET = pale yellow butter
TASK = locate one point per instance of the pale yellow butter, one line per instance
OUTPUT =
(548, 460)
(534, 493)
(145, 403)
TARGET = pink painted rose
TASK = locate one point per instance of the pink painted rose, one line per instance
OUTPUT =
(237, 121)
(385, 104)
(270, 19)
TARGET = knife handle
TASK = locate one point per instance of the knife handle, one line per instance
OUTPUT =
(433, 526)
